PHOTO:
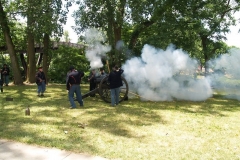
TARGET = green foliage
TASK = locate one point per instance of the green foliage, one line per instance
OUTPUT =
(48, 16)
(62, 59)
(186, 24)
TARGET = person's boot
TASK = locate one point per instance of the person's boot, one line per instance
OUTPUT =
(1, 89)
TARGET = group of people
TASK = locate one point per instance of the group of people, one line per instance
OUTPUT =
(74, 79)
(4, 76)
(73, 82)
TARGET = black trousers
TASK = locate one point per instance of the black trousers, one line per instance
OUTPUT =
(92, 87)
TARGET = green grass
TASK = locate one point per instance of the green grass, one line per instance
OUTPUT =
(132, 131)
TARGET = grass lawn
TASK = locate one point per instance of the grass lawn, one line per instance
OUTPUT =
(132, 131)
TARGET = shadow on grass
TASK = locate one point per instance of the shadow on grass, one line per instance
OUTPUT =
(49, 115)
(52, 124)
(215, 105)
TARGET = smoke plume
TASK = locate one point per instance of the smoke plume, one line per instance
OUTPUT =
(160, 75)
(165, 75)
(225, 74)
(96, 49)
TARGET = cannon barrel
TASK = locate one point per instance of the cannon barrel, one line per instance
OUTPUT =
(90, 93)
(103, 89)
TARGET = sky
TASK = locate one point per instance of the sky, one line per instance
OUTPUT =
(233, 38)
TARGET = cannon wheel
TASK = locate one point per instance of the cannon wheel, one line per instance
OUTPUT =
(104, 90)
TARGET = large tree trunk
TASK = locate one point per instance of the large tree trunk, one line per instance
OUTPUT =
(46, 42)
(24, 64)
(11, 48)
(110, 32)
(114, 30)
(118, 29)
(31, 71)
(117, 37)
(205, 54)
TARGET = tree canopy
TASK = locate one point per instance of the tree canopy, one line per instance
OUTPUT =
(198, 27)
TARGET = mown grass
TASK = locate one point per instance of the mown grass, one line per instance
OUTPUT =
(134, 130)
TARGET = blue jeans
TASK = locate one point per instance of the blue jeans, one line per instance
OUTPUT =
(41, 87)
(75, 89)
(115, 96)
(5, 79)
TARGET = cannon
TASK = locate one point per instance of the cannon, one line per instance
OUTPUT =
(103, 89)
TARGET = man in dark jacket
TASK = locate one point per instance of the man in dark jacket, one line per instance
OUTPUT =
(73, 85)
(115, 81)
(40, 81)
(5, 74)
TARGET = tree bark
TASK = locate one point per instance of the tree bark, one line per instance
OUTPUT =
(46, 42)
(10, 46)
(24, 64)
(31, 71)
(205, 52)
(31, 59)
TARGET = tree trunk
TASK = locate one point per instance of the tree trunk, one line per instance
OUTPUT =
(110, 31)
(31, 71)
(46, 42)
(205, 54)
(10, 46)
(31, 59)
(24, 64)
(117, 37)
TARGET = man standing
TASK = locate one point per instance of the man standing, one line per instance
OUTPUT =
(5, 74)
(73, 85)
(91, 79)
(115, 81)
(41, 81)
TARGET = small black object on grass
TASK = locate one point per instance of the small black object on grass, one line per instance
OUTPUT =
(9, 99)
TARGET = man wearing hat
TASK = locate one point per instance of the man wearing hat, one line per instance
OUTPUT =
(73, 86)
(40, 81)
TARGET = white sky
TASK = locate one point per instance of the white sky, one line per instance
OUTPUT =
(233, 38)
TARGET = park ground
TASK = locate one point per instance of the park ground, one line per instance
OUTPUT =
(133, 130)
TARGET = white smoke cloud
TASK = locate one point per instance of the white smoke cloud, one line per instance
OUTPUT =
(160, 75)
(165, 75)
(95, 50)
(226, 74)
